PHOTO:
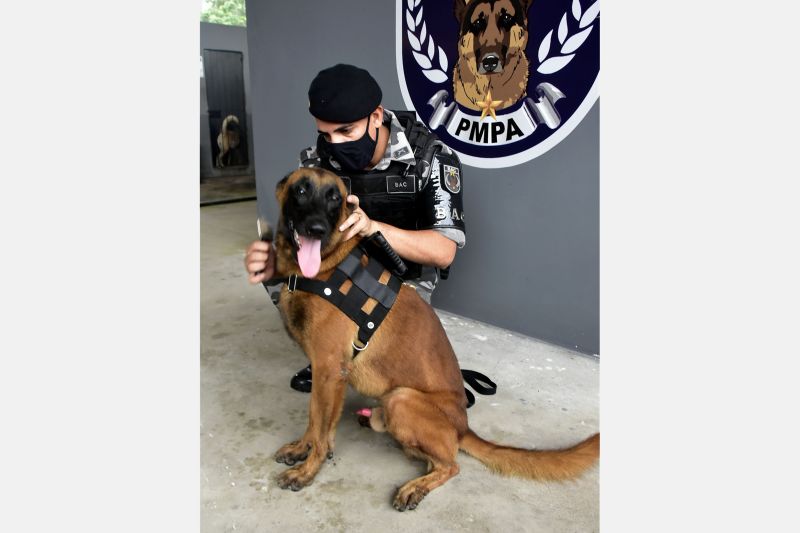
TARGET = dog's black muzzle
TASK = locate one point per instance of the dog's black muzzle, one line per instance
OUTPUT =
(316, 229)
(490, 62)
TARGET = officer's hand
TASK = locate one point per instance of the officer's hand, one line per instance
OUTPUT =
(358, 222)
(259, 261)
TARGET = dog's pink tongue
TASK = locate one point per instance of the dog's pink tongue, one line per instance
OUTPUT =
(308, 256)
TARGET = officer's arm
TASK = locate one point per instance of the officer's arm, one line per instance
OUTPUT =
(426, 247)
(440, 211)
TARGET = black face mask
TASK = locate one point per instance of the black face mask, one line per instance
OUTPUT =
(351, 155)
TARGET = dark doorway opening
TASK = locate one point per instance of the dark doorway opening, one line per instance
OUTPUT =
(227, 120)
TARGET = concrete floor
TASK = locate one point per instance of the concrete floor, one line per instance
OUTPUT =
(547, 397)
(227, 188)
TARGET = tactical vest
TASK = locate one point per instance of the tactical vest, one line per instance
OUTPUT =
(392, 195)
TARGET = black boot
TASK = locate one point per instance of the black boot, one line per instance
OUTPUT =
(302, 380)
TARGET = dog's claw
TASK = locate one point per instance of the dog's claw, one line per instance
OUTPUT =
(408, 500)
(286, 460)
(294, 487)
(287, 456)
(329, 455)
(292, 479)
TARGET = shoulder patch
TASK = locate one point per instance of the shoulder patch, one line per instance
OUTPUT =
(452, 178)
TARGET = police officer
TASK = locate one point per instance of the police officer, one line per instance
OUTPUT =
(401, 180)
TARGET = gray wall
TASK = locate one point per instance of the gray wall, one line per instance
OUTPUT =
(532, 256)
(234, 38)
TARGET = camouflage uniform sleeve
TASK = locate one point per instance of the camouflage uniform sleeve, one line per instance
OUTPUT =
(309, 158)
(441, 205)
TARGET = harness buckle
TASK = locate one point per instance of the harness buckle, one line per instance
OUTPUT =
(356, 348)
(291, 284)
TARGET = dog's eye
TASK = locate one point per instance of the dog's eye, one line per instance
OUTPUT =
(477, 26)
(506, 21)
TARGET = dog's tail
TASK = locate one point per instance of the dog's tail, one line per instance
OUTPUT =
(533, 464)
(231, 123)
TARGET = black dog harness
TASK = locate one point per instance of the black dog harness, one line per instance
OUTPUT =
(365, 285)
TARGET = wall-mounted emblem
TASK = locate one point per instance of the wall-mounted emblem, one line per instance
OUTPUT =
(500, 81)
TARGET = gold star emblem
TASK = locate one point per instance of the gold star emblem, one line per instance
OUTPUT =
(488, 106)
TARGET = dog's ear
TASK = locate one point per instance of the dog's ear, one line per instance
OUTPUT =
(281, 186)
(526, 4)
(459, 8)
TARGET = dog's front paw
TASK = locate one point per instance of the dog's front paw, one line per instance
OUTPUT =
(408, 497)
(295, 479)
(293, 452)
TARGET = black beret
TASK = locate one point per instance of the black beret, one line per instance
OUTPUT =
(343, 93)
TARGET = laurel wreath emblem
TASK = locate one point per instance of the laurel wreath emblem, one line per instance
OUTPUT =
(549, 65)
(417, 35)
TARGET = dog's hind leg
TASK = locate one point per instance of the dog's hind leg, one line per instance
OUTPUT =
(425, 432)
(372, 418)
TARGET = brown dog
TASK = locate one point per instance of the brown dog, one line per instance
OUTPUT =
(493, 35)
(416, 377)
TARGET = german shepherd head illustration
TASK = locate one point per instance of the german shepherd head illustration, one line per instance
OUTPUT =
(493, 35)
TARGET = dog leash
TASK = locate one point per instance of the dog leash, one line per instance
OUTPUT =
(481, 383)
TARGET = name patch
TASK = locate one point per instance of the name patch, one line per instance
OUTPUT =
(400, 184)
